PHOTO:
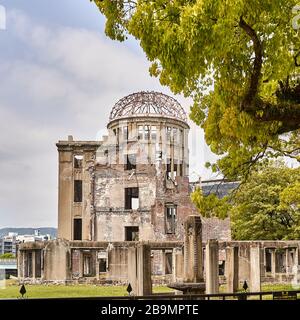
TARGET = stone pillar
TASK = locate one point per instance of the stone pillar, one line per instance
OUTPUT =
(232, 269)
(163, 262)
(178, 265)
(57, 261)
(20, 264)
(296, 269)
(287, 261)
(193, 250)
(212, 266)
(139, 269)
(81, 264)
(255, 267)
(97, 266)
(33, 263)
(273, 263)
(132, 268)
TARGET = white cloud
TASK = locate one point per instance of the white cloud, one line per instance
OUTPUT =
(63, 81)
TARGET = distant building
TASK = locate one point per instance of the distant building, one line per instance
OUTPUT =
(8, 244)
(219, 187)
(8, 267)
(33, 237)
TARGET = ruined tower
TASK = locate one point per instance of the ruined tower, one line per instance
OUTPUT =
(132, 185)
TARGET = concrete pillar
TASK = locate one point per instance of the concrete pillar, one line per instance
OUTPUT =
(296, 269)
(232, 269)
(139, 269)
(132, 268)
(287, 261)
(33, 263)
(20, 264)
(163, 262)
(255, 267)
(212, 266)
(193, 250)
(81, 264)
(273, 263)
(178, 265)
(97, 266)
(56, 261)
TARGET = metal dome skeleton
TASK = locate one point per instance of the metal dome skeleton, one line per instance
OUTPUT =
(149, 104)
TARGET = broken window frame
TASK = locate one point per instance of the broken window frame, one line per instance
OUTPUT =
(147, 132)
(168, 133)
(170, 218)
(153, 133)
(133, 231)
(169, 168)
(130, 162)
(125, 133)
(131, 193)
(180, 137)
(78, 194)
(140, 132)
(78, 160)
(174, 134)
(104, 265)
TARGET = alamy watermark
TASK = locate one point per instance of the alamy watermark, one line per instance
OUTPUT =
(2, 18)
(296, 18)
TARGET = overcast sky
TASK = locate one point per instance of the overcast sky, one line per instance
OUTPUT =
(60, 76)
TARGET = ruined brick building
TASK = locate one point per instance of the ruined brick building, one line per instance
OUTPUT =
(133, 185)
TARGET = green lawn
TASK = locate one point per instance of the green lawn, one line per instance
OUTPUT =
(60, 291)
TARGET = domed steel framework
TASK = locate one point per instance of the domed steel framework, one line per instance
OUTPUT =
(148, 104)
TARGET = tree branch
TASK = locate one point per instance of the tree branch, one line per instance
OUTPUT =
(249, 98)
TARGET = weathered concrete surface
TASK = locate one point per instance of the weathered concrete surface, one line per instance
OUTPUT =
(212, 267)
(57, 258)
(139, 269)
(255, 267)
(232, 269)
(193, 250)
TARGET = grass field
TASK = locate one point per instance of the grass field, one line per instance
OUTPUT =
(59, 291)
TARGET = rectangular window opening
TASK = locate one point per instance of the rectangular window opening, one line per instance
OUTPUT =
(171, 215)
(102, 265)
(78, 161)
(131, 233)
(140, 132)
(168, 133)
(147, 132)
(153, 133)
(77, 190)
(132, 198)
(77, 229)
(169, 262)
(130, 162)
(125, 133)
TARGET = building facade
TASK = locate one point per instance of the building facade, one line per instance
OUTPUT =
(130, 187)
(8, 244)
(134, 184)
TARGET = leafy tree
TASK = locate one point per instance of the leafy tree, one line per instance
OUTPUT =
(239, 62)
(267, 206)
(210, 205)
